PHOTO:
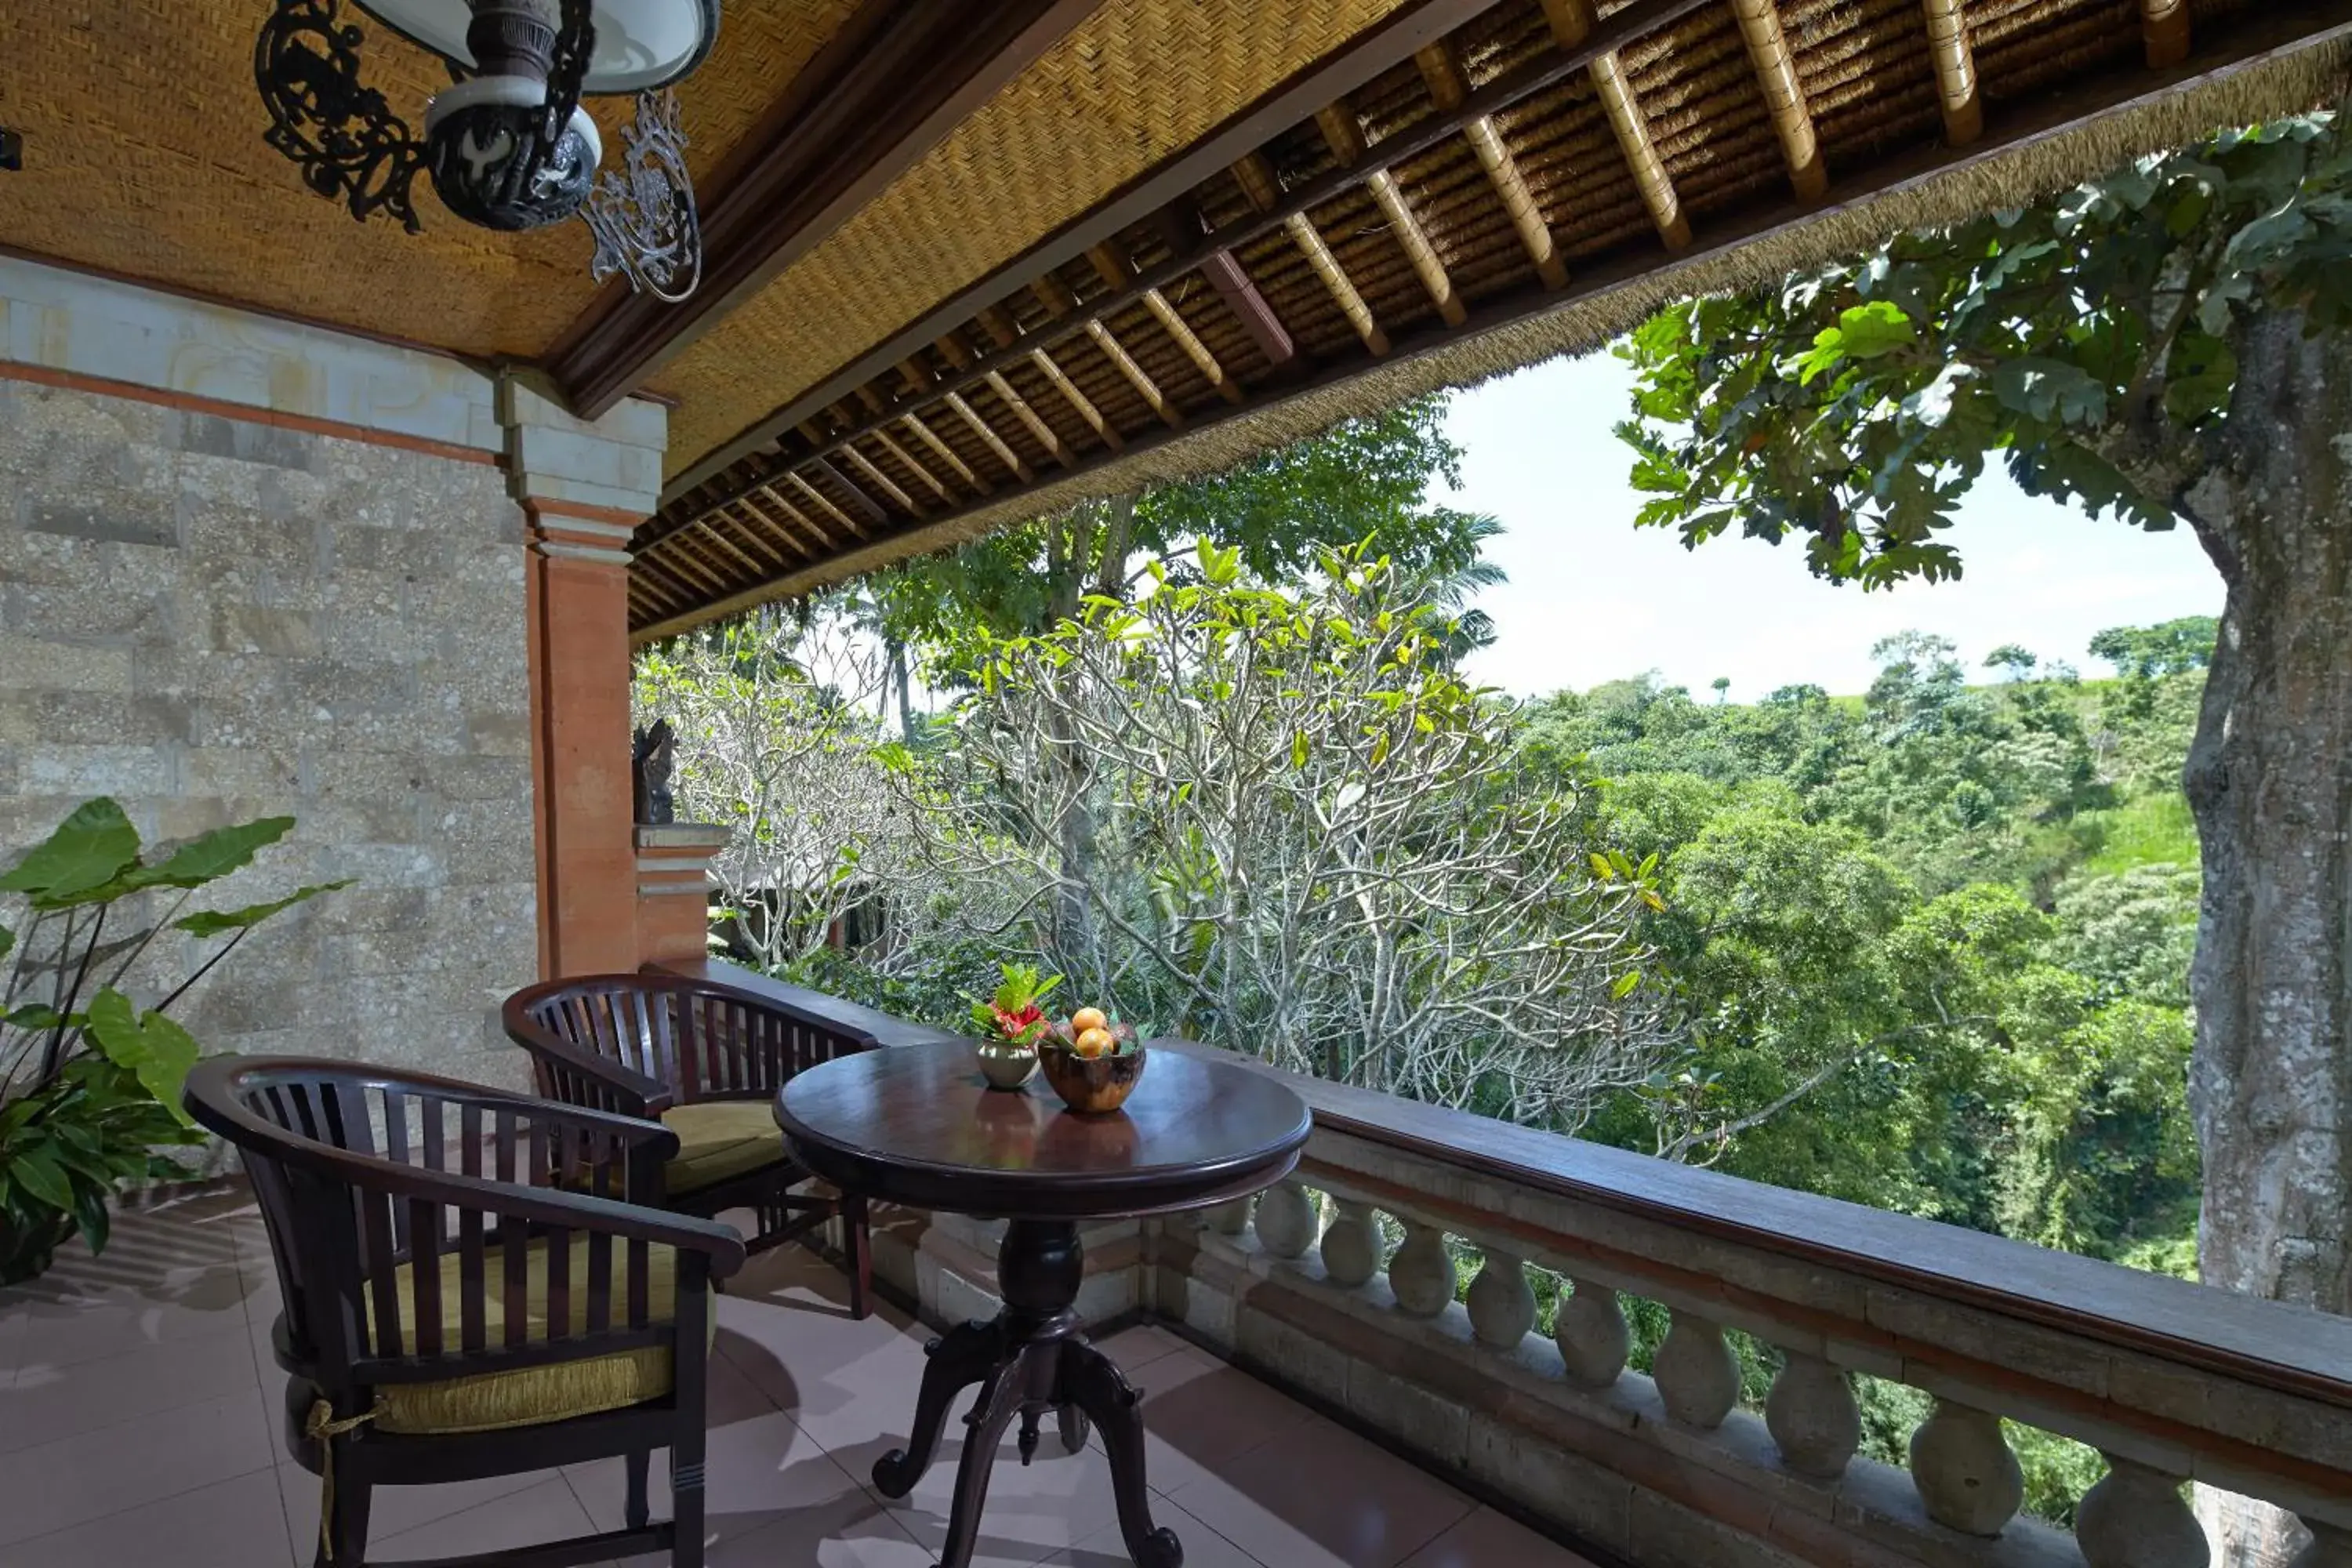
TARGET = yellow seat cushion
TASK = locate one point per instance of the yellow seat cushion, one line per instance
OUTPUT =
(527, 1396)
(718, 1141)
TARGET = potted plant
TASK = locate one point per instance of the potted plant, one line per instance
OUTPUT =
(1011, 1024)
(89, 1082)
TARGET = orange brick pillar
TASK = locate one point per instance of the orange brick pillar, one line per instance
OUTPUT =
(585, 486)
(674, 889)
(577, 594)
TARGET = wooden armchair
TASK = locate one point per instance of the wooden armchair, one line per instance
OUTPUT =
(458, 1303)
(706, 1061)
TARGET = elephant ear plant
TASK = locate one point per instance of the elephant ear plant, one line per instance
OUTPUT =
(89, 1082)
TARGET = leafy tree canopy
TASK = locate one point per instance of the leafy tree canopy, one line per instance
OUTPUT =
(2147, 653)
(2089, 340)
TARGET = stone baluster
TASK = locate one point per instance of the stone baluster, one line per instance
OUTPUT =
(1589, 1328)
(1697, 1374)
(2134, 1516)
(1351, 1248)
(1228, 1219)
(1421, 1272)
(1966, 1476)
(2331, 1547)
(1502, 1307)
(1286, 1220)
(1813, 1417)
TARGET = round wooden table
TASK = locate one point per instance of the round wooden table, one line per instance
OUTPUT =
(918, 1125)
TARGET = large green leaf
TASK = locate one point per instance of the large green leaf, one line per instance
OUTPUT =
(213, 922)
(91, 848)
(216, 854)
(43, 1177)
(153, 1046)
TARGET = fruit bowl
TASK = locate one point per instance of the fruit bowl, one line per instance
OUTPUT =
(1092, 1085)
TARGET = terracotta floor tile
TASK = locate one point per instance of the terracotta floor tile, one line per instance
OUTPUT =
(1324, 1496)
(540, 1513)
(49, 1402)
(1138, 1347)
(393, 1509)
(233, 1524)
(1198, 1412)
(1031, 1511)
(94, 1474)
(1488, 1540)
(1203, 1547)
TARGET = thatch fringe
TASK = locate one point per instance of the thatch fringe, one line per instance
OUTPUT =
(2010, 176)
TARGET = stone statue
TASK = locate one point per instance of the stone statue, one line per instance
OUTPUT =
(651, 760)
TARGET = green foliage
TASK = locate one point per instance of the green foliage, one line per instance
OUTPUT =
(1363, 481)
(89, 1082)
(2085, 340)
(2150, 653)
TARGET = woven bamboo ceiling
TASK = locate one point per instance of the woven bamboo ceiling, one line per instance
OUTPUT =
(972, 263)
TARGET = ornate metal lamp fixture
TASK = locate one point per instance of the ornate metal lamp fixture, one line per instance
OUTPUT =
(507, 145)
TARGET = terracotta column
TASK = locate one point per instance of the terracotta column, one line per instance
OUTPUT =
(583, 487)
(674, 889)
(577, 592)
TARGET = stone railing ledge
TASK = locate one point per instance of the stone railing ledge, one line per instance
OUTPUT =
(879, 1026)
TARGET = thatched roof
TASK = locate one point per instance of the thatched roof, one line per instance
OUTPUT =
(1533, 181)
(972, 263)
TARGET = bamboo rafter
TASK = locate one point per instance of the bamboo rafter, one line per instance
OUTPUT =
(2165, 25)
(883, 481)
(1571, 24)
(906, 460)
(914, 426)
(1449, 91)
(816, 496)
(1059, 302)
(1116, 274)
(1784, 95)
(1255, 176)
(1343, 133)
(989, 438)
(1955, 71)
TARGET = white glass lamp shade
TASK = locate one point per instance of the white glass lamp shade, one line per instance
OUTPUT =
(640, 44)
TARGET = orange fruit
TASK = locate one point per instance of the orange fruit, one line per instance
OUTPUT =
(1094, 1042)
(1087, 1018)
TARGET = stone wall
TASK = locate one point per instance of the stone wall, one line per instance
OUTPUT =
(212, 616)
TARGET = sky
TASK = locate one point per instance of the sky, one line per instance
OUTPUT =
(1592, 598)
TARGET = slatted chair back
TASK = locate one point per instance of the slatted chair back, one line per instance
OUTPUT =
(371, 1182)
(688, 1039)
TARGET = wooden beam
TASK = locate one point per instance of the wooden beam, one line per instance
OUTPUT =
(1344, 134)
(2164, 25)
(1955, 71)
(1118, 271)
(1784, 95)
(1449, 92)
(1354, 64)
(1234, 286)
(2295, 25)
(886, 89)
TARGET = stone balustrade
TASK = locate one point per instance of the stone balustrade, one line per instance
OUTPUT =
(2169, 1382)
(1404, 1276)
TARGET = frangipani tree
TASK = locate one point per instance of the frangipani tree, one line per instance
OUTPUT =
(1273, 814)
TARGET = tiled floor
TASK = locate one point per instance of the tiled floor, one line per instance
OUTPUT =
(137, 1424)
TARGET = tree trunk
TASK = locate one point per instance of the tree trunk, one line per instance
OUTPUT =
(2270, 780)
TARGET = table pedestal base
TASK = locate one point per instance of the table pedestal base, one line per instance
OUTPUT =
(1030, 1360)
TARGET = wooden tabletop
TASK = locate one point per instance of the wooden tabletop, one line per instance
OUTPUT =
(918, 1125)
